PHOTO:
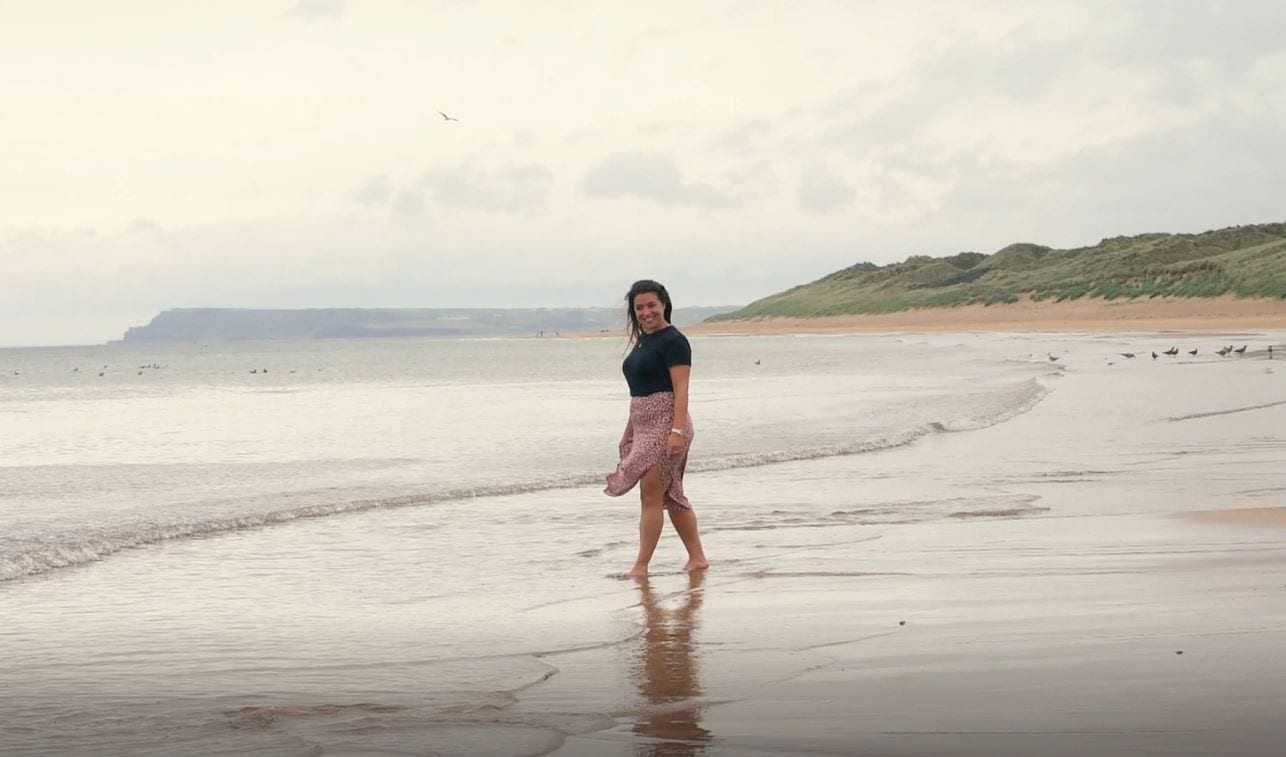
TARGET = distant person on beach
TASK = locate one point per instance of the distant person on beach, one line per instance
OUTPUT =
(654, 447)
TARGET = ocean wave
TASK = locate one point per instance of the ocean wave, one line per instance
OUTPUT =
(23, 557)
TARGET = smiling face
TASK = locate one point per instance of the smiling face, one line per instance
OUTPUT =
(650, 312)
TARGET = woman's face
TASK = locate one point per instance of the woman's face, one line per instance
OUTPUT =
(650, 312)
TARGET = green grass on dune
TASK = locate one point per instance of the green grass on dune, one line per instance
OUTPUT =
(1245, 261)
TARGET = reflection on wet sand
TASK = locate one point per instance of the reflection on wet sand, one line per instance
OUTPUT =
(666, 675)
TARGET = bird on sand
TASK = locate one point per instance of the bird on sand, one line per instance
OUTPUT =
(1193, 351)
(1242, 349)
(1154, 355)
(1127, 354)
(1053, 359)
(445, 117)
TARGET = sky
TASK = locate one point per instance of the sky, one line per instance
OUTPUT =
(292, 153)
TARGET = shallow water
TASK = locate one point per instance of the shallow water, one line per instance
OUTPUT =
(200, 560)
(188, 441)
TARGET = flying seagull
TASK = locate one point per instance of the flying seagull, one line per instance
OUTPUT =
(445, 117)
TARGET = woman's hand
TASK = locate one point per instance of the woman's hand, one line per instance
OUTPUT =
(674, 445)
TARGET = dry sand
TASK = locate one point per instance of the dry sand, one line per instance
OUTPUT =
(1212, 314)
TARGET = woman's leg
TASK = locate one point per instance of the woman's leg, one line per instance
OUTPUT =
(651, 519)
(685, 523)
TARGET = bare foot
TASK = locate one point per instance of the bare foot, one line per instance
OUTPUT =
(637, 572)
(692, 565)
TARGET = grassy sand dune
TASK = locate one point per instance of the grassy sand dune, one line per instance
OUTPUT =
(1246, 262)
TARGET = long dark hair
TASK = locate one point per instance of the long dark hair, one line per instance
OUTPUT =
(646, 286)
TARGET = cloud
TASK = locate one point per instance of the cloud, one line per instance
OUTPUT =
(746, 137)
(994, 133)
(821, 190)
(753, 182)
(408, 204)
(376, 191)
(1230, 36)
(1048, 83)
(310, 10)
(580, 136)
(144, 226)
(649, 176)
(1213, 173)
(516, 189)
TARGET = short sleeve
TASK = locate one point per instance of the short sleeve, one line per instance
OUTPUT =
(678, 351)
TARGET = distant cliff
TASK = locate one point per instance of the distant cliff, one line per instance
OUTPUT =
(235, 324)
(1245, 261)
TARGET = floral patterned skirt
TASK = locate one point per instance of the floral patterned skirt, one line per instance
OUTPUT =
(652, 417)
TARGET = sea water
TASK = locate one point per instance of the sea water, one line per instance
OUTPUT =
(106, 449)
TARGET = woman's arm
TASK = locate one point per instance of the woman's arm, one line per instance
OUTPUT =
(679, 375)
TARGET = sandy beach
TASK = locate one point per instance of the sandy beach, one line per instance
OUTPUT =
(1065, 558)
(1086, 314)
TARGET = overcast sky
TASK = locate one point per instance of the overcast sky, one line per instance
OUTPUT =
(172, 153)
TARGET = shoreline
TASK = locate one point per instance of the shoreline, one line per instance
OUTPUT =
(1206, 314)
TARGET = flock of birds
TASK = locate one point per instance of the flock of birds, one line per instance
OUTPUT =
(150, 366)
(103, 371)
(1225, 351)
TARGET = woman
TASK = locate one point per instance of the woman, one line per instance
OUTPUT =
(654, 447)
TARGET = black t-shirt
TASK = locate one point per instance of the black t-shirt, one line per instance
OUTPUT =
(647, 367)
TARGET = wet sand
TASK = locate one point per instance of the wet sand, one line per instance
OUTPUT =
(1247, 516)
(1091, 314)
(1061, 636)
(1124, 593)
